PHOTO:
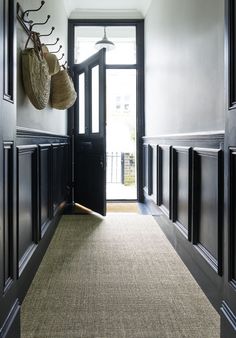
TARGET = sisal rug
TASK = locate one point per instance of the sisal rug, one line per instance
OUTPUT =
(115, 277)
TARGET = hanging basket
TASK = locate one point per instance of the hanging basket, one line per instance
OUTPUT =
(63, 94)
(36, 78)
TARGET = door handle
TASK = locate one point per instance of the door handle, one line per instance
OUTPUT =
(101, 164)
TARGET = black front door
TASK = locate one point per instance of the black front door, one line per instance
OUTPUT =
(90, 133)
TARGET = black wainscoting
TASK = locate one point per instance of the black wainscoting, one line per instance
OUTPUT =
(181, 181)
(42, 192)
(45, 186)
(8, 238)
(27, 220)
(208, 205)
(187, 187)
(232, 237)
(228, 313)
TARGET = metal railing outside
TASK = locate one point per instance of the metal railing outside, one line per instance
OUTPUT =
(114, 167)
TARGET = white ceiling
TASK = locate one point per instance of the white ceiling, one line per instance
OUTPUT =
(106, 6)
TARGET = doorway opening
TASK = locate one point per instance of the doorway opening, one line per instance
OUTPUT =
(121, 134)
(121, 84)
(124, 113)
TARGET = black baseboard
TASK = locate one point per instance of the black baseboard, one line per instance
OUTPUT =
(208, 280)
(228, 322)
(31, 268)
(11, 326)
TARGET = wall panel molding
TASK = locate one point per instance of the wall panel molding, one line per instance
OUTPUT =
(22, 132)
(27, 201)
(8, 244)
(150, 169)
(9, 42)
(231, 54)
(182, 189)
(159, 175)
(164, 153)
(211, 139)
(45, 187)
(207, 195)
(38, 169)
(189, 202)
(232, 219)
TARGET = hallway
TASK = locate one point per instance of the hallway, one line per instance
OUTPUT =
(131, 275)
(115, 277)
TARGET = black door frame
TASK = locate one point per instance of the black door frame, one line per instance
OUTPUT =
(140, 121)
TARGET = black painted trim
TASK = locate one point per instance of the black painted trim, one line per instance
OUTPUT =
(21, 150)
(216, 264)
(8, 245)
(209, 281)
(12, 322)
(185, 230)
(140, 104)
(31, 268)
(162, 148)
(230, 8)
(34, 133)
(45, 147)
(229, 315)
(159, 176)
(232, 220)
(150, 169)
(196, 138)
(9, 50)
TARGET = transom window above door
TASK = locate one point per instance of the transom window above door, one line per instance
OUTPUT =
(123, 37)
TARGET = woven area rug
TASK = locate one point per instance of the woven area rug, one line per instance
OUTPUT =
(115, 277)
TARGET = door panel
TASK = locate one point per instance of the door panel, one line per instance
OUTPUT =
(228, 313)
(90, 134)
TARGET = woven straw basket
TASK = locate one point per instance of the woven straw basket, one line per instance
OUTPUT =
(63, 94)
(36, 78)
(53, 63)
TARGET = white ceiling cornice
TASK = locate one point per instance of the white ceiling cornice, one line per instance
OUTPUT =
(106, 8)
(105, 14)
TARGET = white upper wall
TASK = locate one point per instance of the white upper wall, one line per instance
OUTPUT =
(48, 119)
(107, 8)
(184, 66)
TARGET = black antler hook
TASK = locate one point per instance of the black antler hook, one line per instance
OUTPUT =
(40, 23)
(60, 47)
(31, 10)
(52, 44)
(52, 29)
(62, 56)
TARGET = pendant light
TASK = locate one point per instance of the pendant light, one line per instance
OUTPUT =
(104, 43)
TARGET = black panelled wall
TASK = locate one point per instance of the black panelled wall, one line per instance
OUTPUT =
(184, 182)
(42, 192)
(35, 166)
(34, 184)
